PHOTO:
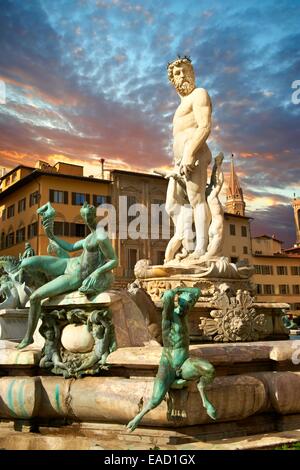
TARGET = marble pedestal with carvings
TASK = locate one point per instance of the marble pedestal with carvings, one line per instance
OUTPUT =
(226, 311)
(13, 323)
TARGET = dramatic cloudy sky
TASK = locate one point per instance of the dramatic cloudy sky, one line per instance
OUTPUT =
(86, 79)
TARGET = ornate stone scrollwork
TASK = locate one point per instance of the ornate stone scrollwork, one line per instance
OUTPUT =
(77, 342)
(235, 319)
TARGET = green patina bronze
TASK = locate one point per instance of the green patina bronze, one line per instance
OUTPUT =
(289, 323)
(90, 272)
(71, 364)
(176, 368)
(100, 324)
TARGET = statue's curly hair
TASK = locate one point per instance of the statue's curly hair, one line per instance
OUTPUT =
(175, 63)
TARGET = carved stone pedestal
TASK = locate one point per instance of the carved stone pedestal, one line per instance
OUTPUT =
(226, 310)
(257, 387)
(81, 332)
(13, 323)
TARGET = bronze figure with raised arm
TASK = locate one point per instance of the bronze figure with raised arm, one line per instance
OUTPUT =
(176, 367)
(90, 272)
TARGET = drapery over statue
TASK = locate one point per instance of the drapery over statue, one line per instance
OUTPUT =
(90, 272)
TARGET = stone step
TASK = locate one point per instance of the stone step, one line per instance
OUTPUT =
(59, 439)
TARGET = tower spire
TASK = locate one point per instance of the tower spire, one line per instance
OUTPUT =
(234, 198)
(296, 207)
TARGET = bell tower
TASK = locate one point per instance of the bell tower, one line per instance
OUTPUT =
(234, 198)
(296, 207)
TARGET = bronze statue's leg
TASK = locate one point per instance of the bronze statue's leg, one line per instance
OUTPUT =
(57, 286)
(46, 264)
(204, 372)
(164, 379)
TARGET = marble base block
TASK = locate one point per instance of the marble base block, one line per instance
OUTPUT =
(13, 324)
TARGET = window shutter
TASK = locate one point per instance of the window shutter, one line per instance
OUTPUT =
(66, 229)
(72, 229)
(51, 195)
(87, 198)
(66, 197)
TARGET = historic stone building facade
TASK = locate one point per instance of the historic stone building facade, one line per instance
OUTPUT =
(24, 189)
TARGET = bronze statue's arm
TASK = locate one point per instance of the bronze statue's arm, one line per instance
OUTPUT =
(68, 246)
(47, 213)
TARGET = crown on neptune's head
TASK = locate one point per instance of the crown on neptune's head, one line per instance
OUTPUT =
(179, 60)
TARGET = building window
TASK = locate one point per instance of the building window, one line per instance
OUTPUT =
(20, 235)
(295, 306)
(2, 241)
(232, 229)
(132, 260)
(66, 229)
(4, 214)
(245, 250)
(22, 205)
(267, 269)
(160, 257)
(268, 289)
(282, 270)
(59, 197)
(10, 211)
(79, 198)
(98, 200)
(10, 239)
(295, 270)
(233, 249)
(244, 231)
(131, 200)
(263, 269)
(284, 289)
(34, 198)
(62, 228)
(296, 289)
(259, 289)
(14, 176)
(77, 230)
(32, 230)
(58, 228)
